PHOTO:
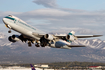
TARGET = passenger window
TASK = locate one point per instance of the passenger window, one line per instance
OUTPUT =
(15, 21)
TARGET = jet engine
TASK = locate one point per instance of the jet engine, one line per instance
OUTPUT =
(70, 37)
(48, 37)
(13, 38)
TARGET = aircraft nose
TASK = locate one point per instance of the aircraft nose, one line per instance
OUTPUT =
(3, 20)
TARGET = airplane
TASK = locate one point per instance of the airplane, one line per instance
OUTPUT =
(32, 67)
(32, 35)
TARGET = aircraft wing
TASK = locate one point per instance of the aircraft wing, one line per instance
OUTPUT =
(76, 45)
(60, 36)
(79, 36)
(38, 35)
(87, 36)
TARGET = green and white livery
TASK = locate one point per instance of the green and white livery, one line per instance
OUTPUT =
(32, 35)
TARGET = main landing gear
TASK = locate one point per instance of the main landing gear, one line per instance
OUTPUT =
(29, 43)
(37, 44)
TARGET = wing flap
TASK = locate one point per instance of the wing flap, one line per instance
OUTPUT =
(76, 45)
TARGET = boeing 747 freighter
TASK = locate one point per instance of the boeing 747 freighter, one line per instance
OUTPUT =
(32, 35)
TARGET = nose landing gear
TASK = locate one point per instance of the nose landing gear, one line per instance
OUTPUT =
(8, 27)
(9, 31)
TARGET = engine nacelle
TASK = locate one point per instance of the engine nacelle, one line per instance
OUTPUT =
(13, 38)
(48, 36)
(70, 37)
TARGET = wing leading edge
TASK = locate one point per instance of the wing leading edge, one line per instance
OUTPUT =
(79, 36)
(87, 36)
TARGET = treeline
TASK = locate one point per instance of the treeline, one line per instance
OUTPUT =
(74, 64)
(57, 65)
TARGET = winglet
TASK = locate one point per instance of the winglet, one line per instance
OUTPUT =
(73, 32)
(32, 68)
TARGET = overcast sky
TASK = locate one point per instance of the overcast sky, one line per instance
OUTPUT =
(82, 16)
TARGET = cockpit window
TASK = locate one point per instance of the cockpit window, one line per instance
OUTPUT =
(10, 15)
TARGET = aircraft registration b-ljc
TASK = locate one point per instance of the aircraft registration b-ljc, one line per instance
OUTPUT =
(38, 37)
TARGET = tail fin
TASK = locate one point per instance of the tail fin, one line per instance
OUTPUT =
(32, 67)
(72, 33)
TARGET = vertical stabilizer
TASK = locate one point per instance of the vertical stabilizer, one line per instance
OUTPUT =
(71, 33)
(32, 67)
(70, 36)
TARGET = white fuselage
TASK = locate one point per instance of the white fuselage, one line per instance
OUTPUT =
(22, 27)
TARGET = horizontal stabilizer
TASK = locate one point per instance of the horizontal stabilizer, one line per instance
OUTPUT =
(88, 36)
(76, 46)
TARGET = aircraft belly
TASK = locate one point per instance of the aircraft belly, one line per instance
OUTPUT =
(26, 32)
